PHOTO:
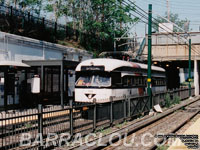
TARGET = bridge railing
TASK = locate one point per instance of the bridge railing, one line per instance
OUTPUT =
(21, 128)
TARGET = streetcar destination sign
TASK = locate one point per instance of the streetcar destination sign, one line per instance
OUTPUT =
(95, 68)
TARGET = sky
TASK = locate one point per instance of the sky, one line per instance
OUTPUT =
(189, 9)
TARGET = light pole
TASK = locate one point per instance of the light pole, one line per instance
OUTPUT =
(189, 67)
(149, 55)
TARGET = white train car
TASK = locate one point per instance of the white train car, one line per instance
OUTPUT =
(102, 78)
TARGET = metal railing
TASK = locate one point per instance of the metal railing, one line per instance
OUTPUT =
(24, 17)
(16, 125)
(24, 23)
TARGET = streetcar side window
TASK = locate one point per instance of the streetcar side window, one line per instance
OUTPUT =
(136, 81)
(139, 81)
(158, 81)
(127, 81)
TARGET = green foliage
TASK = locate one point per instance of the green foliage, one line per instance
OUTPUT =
(176, 100)
(167, 100)
(106, 131)
(98, 21)
(120, 125)
(28, 125)
(175, 19)
(57, 7)
(49, 8)
(101, 129)
(163, 147)
(183, 108)
(101, 19)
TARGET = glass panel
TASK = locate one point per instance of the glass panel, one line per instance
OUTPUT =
(84, 81)
(94, 80)
(101, 81)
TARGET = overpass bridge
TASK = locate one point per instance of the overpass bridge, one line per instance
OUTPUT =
(171, 51)
(172, 47)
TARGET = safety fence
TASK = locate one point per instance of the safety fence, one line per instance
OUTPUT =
(24, 128)
(25, 18)
(24, 23)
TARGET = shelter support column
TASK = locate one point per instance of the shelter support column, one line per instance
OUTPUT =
(42, 78)
(62, 84)
(196, 77)
(5, 87)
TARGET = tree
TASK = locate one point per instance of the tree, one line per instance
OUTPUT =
(96, 22)
(107, 18)
(184, 24)
(57, 7)
(37, 6)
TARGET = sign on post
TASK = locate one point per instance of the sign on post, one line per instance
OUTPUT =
(35, 84)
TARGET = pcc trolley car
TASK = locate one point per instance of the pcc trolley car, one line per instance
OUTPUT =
(103, 78)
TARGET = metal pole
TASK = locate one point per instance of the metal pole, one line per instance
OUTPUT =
(71, 117)
(168, 11)
(129, 107)
(189, 66)
(40, 124)
(62, 84)
(149, 54)
(111, 111)
(124, 102)
(95, 116)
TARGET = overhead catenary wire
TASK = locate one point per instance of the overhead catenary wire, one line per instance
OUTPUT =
(139, 13)
(145, 17)
(194, 50)
(189, 12)
(175, 4)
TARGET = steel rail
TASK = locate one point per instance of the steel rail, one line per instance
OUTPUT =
(135, 126)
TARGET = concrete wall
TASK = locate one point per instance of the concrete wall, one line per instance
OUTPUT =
(177, 38)
(18, 48)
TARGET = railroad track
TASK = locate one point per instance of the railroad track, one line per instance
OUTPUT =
(167, 122)
(167, 125)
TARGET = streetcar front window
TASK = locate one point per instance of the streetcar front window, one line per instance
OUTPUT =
(101, 81)
(94, 81)
(84, 81)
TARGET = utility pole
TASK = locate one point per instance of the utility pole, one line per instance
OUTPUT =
(149, 55)
(168, 11)
(189, 66)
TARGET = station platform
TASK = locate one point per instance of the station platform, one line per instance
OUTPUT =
(192, 131)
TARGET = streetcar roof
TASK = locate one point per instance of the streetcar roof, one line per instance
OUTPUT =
(112, 64)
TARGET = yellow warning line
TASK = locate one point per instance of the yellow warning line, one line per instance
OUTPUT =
(34, 117)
